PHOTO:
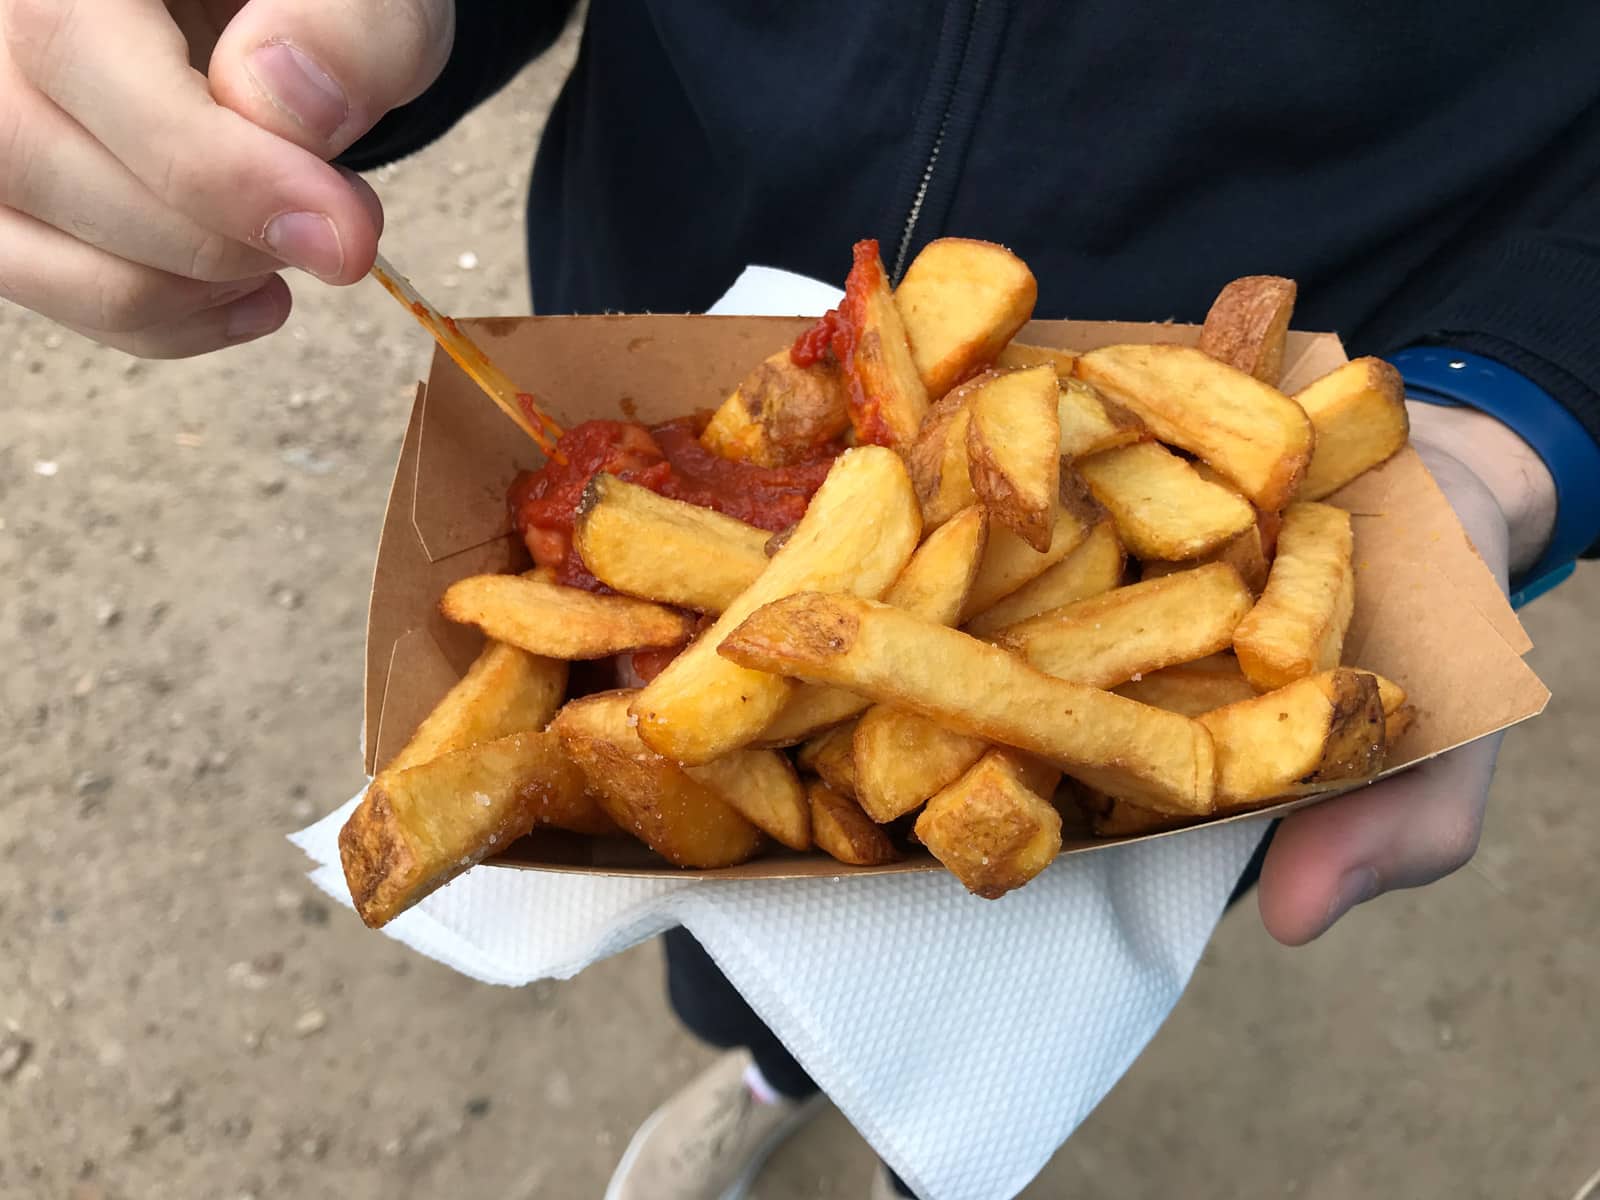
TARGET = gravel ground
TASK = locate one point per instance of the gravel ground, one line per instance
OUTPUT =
(186, 552)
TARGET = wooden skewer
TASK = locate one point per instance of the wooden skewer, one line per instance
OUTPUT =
(520, 406)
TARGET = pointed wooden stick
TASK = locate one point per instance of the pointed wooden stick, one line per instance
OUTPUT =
(520, 406)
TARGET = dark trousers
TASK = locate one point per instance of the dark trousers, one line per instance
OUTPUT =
(713, 1010)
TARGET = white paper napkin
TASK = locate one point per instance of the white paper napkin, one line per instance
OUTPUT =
(965, 1039)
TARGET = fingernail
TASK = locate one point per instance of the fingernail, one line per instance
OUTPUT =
(1357, 887)
(257, 314)
(298, 86)
(308, 241)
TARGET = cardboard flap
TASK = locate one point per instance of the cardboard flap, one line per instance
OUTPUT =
(1428, 613)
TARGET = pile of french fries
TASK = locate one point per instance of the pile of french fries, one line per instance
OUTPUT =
(1103, 587)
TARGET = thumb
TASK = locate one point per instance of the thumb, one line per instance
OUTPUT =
(320, 73)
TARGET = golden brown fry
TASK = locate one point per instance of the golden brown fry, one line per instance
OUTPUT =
(934, 586)
(832, 756)
(1120, 635)
(1298, 625)
(1011, 451)
(1163, 509)
(686, 821)
(962, 301)
(1158, 758)
(1251, 432)
(890, 398)
(781, 413)
(664, 550)
(1245, 553)
(1018, 355)
(901, 758)
(1192, 688)
(995, 827)
(1359, 414)
(417, 829)
(843, 831)
(1009, 562)
(763, 788)
(561, 622)
(1321, 729)
(505, 691)
(1089, 425)
(858, 534)
(937, 460)
(1118, 818)
(1248, 323)
(1095, 566)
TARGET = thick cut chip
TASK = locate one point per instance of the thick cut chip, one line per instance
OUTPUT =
(962, 301)
(902, 758)
(934, 586)
(505, 691)
(1009, 562)
(995, 827)
(665, 550)
(937, 460)
(1248, 324)
(1089, 425)
(1112, 638)
(781, 414)
(1248, 430)
(1359, 414)
(858, 533)
(1245, 553)
(1157, 758)
(1011, 451)
(832, 755)
(688, 822)
(1192, 688)
(1322, 729)
(888, 398)
(1298, 626)
(1162, 507)
(561, 622)
(1016, 354)
(1096, 566)
(417, 829)
(844, 832)
(763, 788)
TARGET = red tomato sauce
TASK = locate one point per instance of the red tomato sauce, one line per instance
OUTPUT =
(667, 459)
(838, 333)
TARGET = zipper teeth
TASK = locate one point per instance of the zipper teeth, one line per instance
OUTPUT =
(917, 200)
(933, 155)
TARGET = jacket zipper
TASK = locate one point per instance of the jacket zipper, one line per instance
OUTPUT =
(910, 226)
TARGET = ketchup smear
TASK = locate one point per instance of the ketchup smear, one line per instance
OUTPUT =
(838, 333)
(669, 460)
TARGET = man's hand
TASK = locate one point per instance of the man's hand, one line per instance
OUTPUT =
(159, 163)
(1422, 825)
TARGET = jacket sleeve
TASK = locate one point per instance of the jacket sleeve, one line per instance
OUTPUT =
(1529, 298)
(494, 40)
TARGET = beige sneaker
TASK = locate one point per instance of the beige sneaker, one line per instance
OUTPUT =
(709, 1141)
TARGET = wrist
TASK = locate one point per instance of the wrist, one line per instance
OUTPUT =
(1510, 470)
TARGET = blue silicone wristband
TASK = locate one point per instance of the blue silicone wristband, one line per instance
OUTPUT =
(1441, 375)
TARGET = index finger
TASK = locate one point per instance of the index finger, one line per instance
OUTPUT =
(121, 70)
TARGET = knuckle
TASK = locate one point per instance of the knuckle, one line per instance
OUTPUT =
(1455, 844)
(126, 301)
(36, 32)
(420, 33)
(214, 258)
